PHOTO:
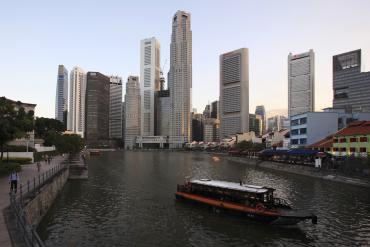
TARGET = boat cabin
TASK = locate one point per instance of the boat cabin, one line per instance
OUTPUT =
(233, 192)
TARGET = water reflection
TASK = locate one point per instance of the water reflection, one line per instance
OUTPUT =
(129, 200)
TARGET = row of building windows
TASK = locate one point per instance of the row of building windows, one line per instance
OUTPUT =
(301, 141)
(301, 131)
(298, 121)
(351, 149)
(351, 139)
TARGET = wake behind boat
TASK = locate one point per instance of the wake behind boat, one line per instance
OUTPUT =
(255, 202)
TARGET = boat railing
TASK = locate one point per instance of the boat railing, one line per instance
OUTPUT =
(281, 202)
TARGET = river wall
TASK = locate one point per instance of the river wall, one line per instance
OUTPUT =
(302, 170)
(36, 208)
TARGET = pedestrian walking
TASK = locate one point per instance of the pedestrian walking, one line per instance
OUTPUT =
(13, 181)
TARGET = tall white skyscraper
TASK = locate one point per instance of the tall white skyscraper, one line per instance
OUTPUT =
(115, 108)
(150, 75)
(234, 92)
(77, 91)
(61, 98)
(301, 83)
(180, 80)
(132, 111)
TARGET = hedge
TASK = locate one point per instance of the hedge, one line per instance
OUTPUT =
(21, 161)
(18, 149)
(6, 168)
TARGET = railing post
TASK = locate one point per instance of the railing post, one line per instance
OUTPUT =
(28, 186)
(20, 191)
(34, 183)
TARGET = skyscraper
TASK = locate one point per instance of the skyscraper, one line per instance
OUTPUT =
(61, 98)
(97, 110)
(180, 80)
(132, 111)
(234, 92)
(214, 109)
(260, 111)
(150, 78)
(77, 89)
(351, 86)
(163, 113)
(115, 108)
(301, 83)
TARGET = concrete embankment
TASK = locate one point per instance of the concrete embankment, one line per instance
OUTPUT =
(36, 208)
(302, 170)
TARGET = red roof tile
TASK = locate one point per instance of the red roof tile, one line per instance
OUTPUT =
(327, 142)
(355, 128)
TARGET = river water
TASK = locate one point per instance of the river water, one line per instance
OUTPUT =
(128, 200)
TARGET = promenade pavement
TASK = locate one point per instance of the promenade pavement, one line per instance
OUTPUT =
(28, 172)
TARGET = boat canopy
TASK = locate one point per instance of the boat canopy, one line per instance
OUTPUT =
(231, 186)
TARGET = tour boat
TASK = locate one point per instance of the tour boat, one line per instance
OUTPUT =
(255, 202)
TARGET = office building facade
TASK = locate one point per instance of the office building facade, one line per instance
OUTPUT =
(77, 92)
(61, 97)
(234, 92)
(97, 110)
(163, 113)
(180, 80)
(351, 86)
(301, 83)
(150, 84)
(115, 108)
(132, 111)
(214, 109)
(260, 111)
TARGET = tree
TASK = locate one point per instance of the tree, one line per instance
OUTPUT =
(45, 125)
(13, 123)
(71, 144)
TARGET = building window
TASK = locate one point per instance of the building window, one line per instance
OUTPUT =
(343, 149)
(362, 150)
(303, 141)
(363, 139)
(353, 139)
(327, 149)
(335, 140)
(294, 141)
(342, 140)
(352, 150)
(303, 131)
(303, 120)
(294, 122)
(294, 132)
(335, 149)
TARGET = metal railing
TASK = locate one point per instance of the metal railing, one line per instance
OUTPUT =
(27, 191)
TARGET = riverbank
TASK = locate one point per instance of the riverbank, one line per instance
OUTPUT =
(302, 170)
(28, 172)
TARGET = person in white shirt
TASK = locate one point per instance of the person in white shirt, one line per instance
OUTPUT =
(13, 181)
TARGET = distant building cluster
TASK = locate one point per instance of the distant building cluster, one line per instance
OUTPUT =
(156, 114)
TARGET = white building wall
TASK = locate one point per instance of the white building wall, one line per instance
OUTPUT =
(149, 74)
(132, 111)
(234, 92)
(76, 115)
(180, 80)
(115, 108)
(301, 83)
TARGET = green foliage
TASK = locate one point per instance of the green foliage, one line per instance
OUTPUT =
(45, 125)
(249, 146)
(11, 148)
(13, 123)
(6, 168)
(70, 144)
(18, 160)
(39, 156)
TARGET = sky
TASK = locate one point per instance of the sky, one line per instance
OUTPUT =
(104, 36)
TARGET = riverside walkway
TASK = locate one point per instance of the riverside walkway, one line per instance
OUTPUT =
(28, 172)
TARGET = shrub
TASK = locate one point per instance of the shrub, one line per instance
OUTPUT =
(38, 156)
(17, 160)
(19, 149)
(6, 168)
